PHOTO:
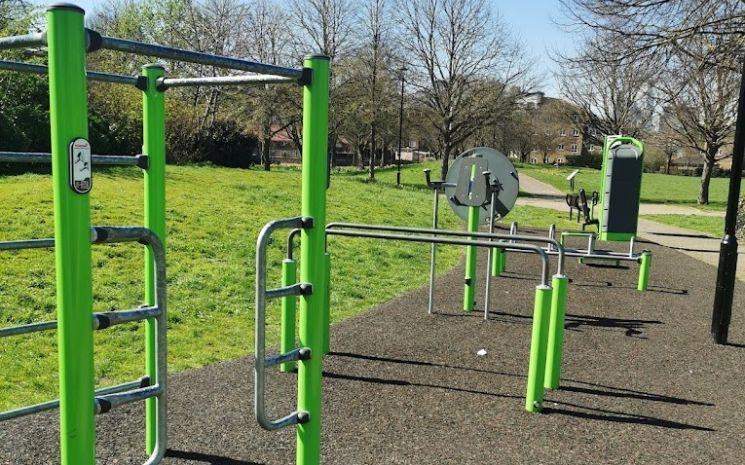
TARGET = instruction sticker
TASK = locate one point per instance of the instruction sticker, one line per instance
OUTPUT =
(81, 179)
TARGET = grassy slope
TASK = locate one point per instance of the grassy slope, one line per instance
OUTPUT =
(656, 188)
(713, 226)
(214, 216)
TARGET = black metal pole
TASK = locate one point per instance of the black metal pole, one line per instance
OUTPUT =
(725, 288)
(400, 129)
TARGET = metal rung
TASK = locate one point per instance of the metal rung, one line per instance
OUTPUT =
(54, 404)
(295, 289)
(295, 418)
(27, 244)
(140, 160)
(104, 404)
(302, 353)
(101, 320)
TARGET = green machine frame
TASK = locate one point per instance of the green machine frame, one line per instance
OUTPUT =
(68, 43)
(620, 178)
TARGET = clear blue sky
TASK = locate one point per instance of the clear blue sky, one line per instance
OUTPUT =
(530, 20)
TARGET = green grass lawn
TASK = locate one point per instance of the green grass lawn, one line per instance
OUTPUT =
(214, 215)
(656, 187)
(711, 225)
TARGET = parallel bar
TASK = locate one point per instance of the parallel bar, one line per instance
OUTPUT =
(41, 157)
(438, 240)
(53, 404)
(28, 40)
(160, 51)
(286, 291)
(100, 321)
(251, 79)
(32, 68)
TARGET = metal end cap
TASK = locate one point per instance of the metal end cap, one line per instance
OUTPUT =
(65, 6)
(317, 56)
(303, 417)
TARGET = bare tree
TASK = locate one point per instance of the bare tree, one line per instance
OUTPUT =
(614, 97)
(463, 62)
(655, 26)
(700, 105)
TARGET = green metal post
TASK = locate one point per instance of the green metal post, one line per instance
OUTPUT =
(327, 308)
(68, 104)
(538, 342)
(287, 339)
(555, 345)
(644, 266)
(312, 260)
(503, 262)
(469, 292)
(496, 266)
(154, 146)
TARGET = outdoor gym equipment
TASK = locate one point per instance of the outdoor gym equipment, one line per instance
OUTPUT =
(67, 42)
(481, 187)
(621, 180)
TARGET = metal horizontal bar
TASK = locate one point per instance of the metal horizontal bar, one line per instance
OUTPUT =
(295, 418)
(295, 289)
(32, 68)
(29, 328)
(28, 40)
(54, 404)
(27, 244)
(105, 403)
(103, 320)
(160, 51)
(42, 157)
(302, 353)
(442, 240)
(245, 80)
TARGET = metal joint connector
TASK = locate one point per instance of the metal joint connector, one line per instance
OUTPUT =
(306, 78)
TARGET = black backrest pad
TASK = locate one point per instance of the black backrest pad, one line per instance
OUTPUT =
(626, 187)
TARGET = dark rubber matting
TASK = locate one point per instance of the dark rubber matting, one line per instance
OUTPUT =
(642, 384)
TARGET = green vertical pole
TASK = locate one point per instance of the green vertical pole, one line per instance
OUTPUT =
(154, 146)
(555, 345)
(312, 260)
(287, 331)
(644, 266)
(503, 262)
(538, 342)
(68, 104)
(496, 266)
(327, 308)
(469, 292)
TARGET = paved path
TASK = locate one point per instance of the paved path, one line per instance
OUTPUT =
(692, 243)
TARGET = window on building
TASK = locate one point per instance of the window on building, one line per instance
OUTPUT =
(575, 132)
(591, 149)
(561, 147)
(574, 148)
(563, 132)
(546, 160)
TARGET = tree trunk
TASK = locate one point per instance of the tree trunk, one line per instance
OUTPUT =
(371, 177)
(265, 156)
(667, 165)
(703, 193)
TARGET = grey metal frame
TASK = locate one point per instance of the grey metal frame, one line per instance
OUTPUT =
(107, 398)
(261, 361)
(248, 79)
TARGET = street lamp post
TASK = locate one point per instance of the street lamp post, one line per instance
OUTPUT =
(400, 127)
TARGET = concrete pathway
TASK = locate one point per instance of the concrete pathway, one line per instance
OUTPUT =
(692, 243)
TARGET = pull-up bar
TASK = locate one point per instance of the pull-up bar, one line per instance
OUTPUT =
(28, 40)
(249, 79)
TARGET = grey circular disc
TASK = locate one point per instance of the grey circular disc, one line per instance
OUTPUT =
(503, 173)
